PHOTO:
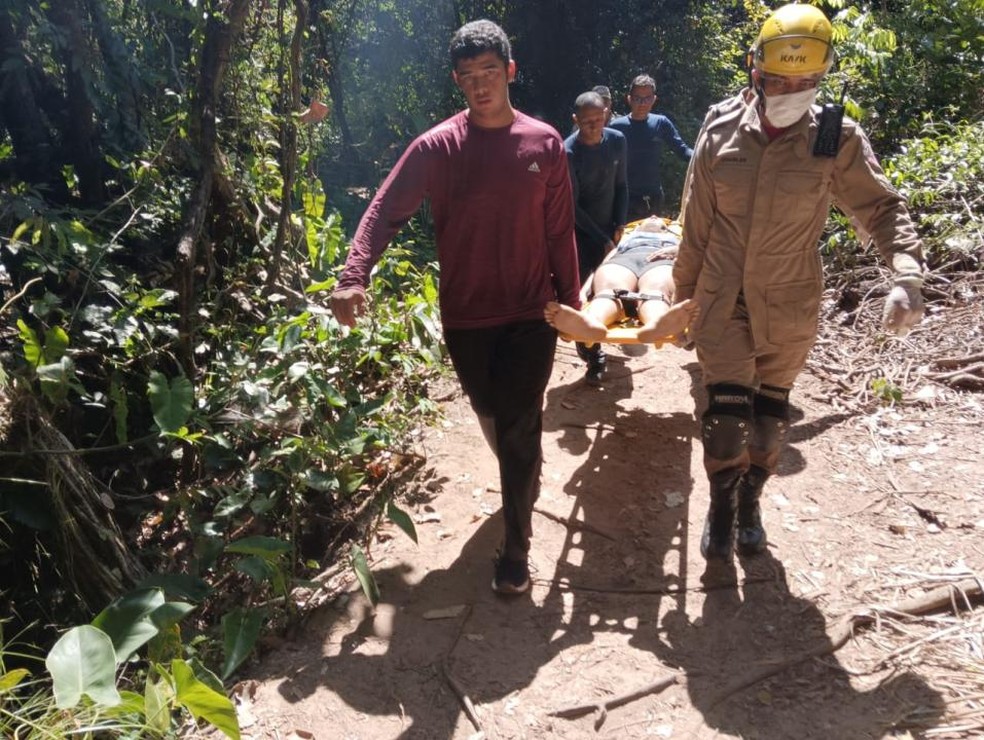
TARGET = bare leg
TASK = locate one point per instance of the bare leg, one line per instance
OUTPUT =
(606, 310)
(663, 322)
(573, 323)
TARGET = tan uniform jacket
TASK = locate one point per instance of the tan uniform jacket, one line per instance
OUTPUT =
(755, 210)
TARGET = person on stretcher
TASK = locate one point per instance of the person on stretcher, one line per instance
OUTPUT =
(642, 266)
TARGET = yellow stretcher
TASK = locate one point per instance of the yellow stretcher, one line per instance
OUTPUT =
(627, 330)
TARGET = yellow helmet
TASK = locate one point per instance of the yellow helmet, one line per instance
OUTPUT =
(794, 40)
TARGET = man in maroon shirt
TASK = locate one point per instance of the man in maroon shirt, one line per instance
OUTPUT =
(503, 216)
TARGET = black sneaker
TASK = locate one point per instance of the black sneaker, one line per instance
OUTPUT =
(511, 576)
(595, 373)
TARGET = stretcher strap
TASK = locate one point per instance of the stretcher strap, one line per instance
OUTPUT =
(620, 294)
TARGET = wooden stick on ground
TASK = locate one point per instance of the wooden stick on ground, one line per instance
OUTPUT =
(601, 708)
(842, 631)
(459, 690)
(573, 523)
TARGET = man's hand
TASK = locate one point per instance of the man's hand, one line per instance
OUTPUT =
(348, 304)
(904, 306)
(663, 253)
(618, 235)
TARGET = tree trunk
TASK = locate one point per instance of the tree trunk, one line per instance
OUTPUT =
(121, 78)
(21, 113)
(291, 105)
(221, 30)
(79, 133)
(332, 46)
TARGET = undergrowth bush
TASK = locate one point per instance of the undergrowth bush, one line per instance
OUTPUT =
(941, 175)
(242, 480)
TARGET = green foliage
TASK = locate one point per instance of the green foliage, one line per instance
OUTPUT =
(285, 422)
(401, 519)
(241, 629)
(137, 617)
(83, 662)
(886, 391)
(28, 708)
(360, 565)
(863, 48)
(52, 367)
(170, 401)
(203, 701)
(906, 61)
(941, 174)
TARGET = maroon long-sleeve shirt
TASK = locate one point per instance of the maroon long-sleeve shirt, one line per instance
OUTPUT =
(503, 216)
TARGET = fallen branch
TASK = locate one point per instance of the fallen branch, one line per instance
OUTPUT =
(601, 708)
(573, 523)
(842, 631)
(19, 295)
(453, 682)
(975, 368)
(462, 695)
(959, 361)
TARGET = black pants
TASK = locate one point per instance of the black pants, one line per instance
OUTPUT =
(504, 371)
(590, 255)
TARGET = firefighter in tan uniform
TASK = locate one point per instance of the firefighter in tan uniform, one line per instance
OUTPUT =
(759, 190)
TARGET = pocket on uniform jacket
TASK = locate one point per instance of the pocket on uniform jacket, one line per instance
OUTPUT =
(796, 192)
(792, 311)
(733, 186)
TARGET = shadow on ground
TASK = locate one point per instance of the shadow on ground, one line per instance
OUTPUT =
(621, 598)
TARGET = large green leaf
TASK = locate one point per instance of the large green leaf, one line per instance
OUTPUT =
(401, 519)
(350, 478)
(170, 614)
(202, 701)
(158, 694)
(206, 676)
(170, 401)
(55, 344)
(33, 352)
(256, 568)
(83, 662)
(180, 585)
(127, 620)
(10, 679)
(268, 548)
(57, 377)
(121, 409)
(131, 703)
(361, 567)
(240, 628)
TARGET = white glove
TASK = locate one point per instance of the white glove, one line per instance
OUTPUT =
(904, 306)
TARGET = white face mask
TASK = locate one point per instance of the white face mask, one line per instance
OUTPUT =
(785, 110)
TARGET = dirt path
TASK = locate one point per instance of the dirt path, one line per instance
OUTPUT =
(866, 509)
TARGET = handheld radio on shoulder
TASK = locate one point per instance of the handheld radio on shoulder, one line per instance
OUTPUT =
(829, 130)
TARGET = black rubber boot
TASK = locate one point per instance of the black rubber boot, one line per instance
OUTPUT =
(597, 361)
(751, 534)
(718, 539)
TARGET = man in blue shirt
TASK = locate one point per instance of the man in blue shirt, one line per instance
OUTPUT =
(645, 135)
(596, 159)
